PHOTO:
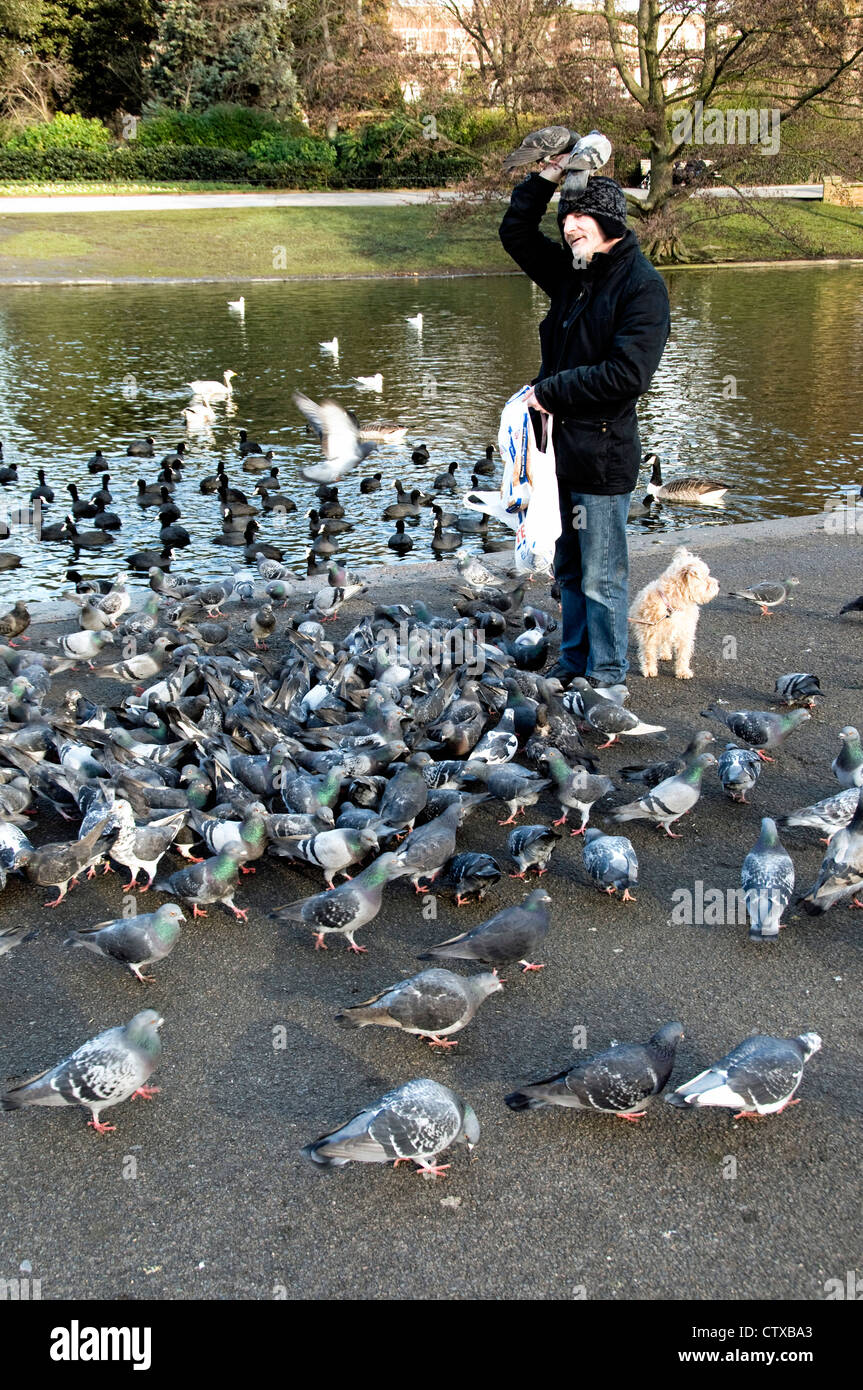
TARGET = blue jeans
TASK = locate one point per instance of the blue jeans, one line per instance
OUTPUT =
(591, 565)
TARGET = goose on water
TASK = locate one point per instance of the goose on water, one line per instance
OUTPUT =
(690, 488)
(383, 432)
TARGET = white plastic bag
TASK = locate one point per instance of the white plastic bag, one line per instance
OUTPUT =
(528, 499)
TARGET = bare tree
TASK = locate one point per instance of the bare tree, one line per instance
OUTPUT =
(511, 39)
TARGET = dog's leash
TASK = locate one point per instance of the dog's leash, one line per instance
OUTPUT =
(669, 609)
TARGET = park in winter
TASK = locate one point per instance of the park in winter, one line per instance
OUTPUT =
(431, 499)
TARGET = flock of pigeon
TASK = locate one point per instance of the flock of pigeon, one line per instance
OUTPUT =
(361, 758)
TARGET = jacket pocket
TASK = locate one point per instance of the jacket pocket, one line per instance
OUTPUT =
(582, 452)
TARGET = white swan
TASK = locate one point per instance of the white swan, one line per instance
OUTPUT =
(332, 347)
(416, 322)
(371, 383)
(208, 389)
(238, 305)
(198, 417)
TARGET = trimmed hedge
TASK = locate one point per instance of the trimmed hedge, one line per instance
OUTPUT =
(191, 163)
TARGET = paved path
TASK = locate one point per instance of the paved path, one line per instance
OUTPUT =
(203, 1193)
(360, 198)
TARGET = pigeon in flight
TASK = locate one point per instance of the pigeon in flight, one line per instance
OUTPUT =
(340, 440)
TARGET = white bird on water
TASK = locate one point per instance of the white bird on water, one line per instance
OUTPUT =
(331, 346)
(199, 417)
(238, 305)
(207, 389)
(371, 383)
(416, 322)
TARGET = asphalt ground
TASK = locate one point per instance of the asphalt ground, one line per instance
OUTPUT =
(202, 1193)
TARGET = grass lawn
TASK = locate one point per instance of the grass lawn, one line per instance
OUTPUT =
(273, 242)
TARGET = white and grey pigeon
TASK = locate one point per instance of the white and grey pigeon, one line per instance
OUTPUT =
(510, 935)
(339, 437)
(798, 688)
(134, 941)
(517, 786)
(759, 1076)
(620, 1081)
(766, 595)
(841, 872)
(498, 745)
(758, 727)
(414, 1123)
(767, 880)
(611, 863)
(105, 1071)
(606, 716)
(334, 851)
(588, 155)
(738, 770)
(344, 909)
(832, 814)
(432, 1005)
(671, 799)
(847, 766)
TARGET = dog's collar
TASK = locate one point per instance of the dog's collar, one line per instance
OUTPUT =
(669, 607)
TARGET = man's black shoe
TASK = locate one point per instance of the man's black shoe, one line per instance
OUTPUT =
(561, 672)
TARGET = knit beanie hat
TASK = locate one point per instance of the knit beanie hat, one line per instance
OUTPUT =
(602, 199)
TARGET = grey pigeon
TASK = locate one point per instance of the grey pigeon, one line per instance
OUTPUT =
(610, 862)
(547, 143)
(671, 799)
(510, 935)
(343, 909)
(417, 1122)
(10, 937)
(759, 728)
(530, 847)
(738, 770)
(767, 879)
(841, 872)
(103, 1072)
(432, 1005)
(651, 774)
(767, 595)
(135, 941)
(426, 850)
(467, 876)
(621, 1081)
(798, 688)
(212, 881)
(760, 1076)
(405, 794)
(517, 786)
(847, 766)
(57, 865)
(607, 716)
(576, 789)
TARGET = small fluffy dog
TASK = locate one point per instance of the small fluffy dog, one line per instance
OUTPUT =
(664, 614)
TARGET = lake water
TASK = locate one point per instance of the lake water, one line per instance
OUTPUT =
(761, 386)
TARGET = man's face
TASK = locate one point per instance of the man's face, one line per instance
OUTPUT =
(584, 236)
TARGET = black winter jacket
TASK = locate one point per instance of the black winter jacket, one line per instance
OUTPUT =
(601, 341)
